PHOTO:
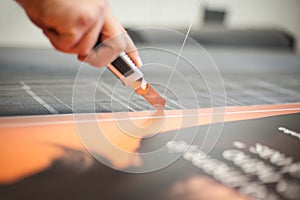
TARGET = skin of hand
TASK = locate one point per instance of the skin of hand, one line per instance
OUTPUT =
(73, 26)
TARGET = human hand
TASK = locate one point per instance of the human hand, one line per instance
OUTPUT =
(74, 26)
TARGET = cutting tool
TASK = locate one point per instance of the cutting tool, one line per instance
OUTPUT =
(130, 75)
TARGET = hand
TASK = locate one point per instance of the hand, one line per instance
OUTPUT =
(114, 40)
(73, 26)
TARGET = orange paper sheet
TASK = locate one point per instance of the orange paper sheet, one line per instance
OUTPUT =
(30, 144)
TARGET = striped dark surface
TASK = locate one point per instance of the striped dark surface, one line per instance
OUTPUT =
(41, 81)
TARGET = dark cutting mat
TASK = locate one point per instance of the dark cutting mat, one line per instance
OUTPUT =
(250, 77)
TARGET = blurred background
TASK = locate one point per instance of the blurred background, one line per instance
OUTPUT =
(250, 23)
(255, 45)
(253, 59)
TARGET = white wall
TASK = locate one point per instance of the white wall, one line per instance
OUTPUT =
(154, 12)
(16, 30)
(282, 14)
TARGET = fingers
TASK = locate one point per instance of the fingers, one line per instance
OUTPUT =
(87, 41)
(115, 40)
(106, 52)
(134, 55)
(79, 40)
(61, 42)
(71, 26)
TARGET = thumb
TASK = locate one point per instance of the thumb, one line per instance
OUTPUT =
(114, 40)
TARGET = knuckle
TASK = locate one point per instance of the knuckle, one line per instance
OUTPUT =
(83, 50)
(84, 19)
(88, 15)
(103, 5)
(117, 48)
(114, 47)
(61, 46)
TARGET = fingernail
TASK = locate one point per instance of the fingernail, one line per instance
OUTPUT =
(139, 62)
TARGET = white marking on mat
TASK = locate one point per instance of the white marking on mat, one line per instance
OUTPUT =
(57, 99)
(252, 92)
(29, 91)
(114, 98)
